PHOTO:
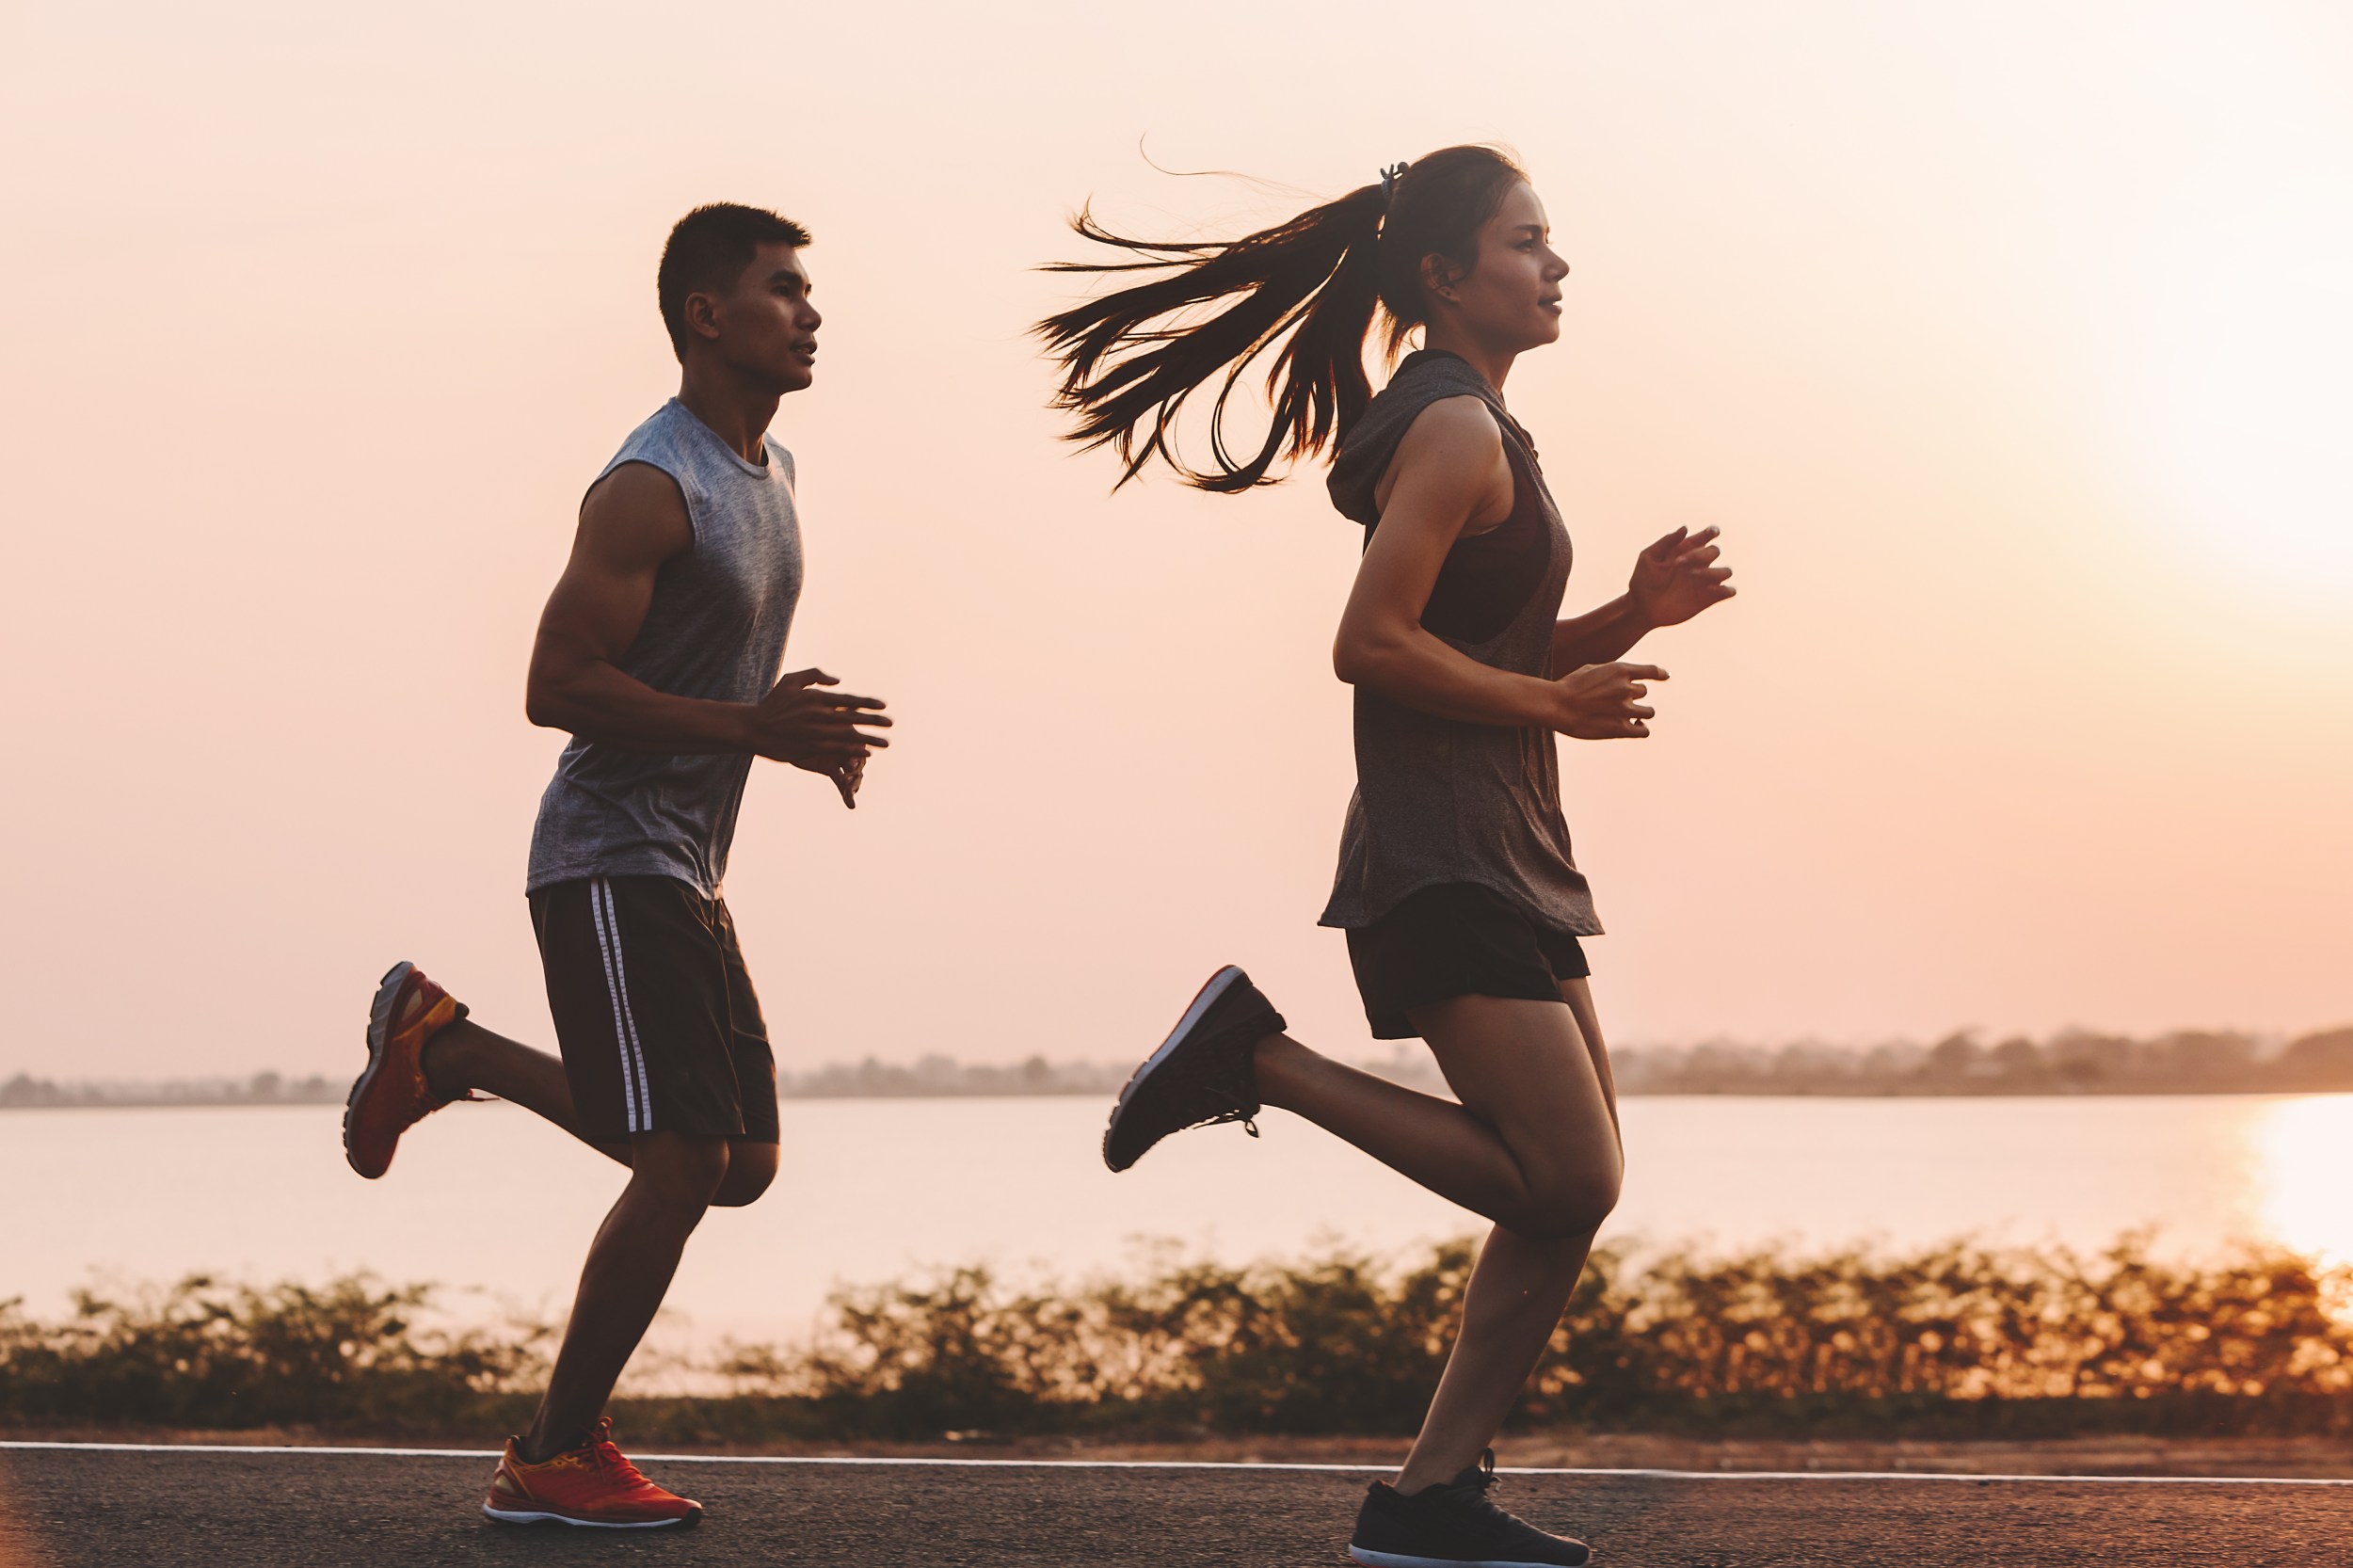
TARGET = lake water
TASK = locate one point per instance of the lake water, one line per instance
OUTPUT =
(490, 1198)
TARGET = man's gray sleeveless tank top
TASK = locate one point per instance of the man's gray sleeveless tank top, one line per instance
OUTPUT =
(716, 630)
(1440, 800)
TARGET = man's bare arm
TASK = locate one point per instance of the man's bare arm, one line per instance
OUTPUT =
(632, 522)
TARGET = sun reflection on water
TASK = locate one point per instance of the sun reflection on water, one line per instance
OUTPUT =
(2304, 1157)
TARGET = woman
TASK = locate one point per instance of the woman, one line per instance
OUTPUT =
(1462, 905)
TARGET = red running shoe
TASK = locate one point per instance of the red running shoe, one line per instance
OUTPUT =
(592, 1485)
(391, 1095)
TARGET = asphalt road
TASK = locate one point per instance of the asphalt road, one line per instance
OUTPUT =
(216, 1510)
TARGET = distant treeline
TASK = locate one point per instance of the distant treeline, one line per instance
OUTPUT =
(1955, 1341)
(934, 1076)
(939, 1076)
(24, 1092)
(2075, 1062)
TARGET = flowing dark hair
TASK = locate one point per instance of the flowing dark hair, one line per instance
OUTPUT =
(1311, 284)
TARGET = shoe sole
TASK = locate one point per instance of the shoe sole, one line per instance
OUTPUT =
(379, 1028)
(1400, 1560)
(521, 1516)
(1217, 986)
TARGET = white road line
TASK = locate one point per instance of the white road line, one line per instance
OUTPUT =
(1946, 1476)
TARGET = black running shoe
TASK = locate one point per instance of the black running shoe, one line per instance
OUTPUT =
(1455, 1525)
(1203, 1074)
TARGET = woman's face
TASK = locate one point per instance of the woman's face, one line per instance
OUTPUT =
(1510, 299)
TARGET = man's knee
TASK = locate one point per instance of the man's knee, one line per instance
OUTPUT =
(677, 1169)
(751, 1169)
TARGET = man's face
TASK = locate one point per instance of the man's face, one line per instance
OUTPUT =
(766, 329)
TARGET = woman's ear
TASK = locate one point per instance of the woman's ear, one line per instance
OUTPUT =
(1439, 276)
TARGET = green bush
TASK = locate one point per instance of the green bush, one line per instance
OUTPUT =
(204, 1353)
(1958, 1340)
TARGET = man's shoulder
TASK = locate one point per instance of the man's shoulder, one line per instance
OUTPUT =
(638, 483)
(638, 511)
(653, 466)
(663, 437)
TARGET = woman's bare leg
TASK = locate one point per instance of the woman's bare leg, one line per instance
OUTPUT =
(1515, 1302)
(1533, 1145)
(1579, 994)
(1535, 1134)
(1522, 1283)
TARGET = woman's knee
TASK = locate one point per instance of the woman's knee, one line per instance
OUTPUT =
(1576, 1203)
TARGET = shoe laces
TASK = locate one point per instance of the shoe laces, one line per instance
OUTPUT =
(1477, 1491)
(430, 1099)
(1238, 1110)
(608, 1458)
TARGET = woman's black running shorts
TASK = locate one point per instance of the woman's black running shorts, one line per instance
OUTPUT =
(1455, 939)
(660, 1029)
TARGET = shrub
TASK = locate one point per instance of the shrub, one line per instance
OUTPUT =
(1956, 1340)
(204, 1353)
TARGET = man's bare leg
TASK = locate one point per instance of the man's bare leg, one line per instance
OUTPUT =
(673, 1178)
(466, 1056)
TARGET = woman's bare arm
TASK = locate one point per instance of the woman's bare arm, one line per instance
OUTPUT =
(1450, 469)
(1675, 579)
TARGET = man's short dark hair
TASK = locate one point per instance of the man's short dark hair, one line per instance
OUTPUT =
(708, 251)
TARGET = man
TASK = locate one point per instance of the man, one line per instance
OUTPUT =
(659, 651)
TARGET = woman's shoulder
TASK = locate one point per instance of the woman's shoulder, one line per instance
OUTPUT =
(1458, 413)
(1430, 374)
(1457, 427)
(1438, 400)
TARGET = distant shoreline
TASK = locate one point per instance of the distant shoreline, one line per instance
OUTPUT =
(161, 1102)
(2075, 1064)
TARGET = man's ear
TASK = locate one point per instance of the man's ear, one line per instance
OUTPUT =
(702, 316)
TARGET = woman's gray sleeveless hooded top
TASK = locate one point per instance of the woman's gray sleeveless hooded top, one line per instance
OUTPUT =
(1440, 800)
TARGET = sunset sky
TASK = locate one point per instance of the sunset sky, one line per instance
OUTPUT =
(2008, 342)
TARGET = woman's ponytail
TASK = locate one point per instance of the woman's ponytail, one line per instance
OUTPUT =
(1130, 358)
(1311, 283)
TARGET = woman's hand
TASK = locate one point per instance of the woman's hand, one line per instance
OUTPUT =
(1604, 702)
(1678, 577)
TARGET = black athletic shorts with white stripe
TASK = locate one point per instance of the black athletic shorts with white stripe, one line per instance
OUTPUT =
(655, 1013)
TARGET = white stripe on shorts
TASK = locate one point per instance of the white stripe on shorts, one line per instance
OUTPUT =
(608, 946)
(629, 1015)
